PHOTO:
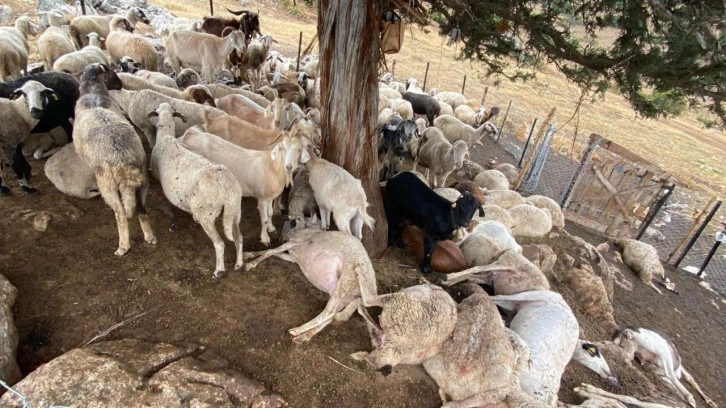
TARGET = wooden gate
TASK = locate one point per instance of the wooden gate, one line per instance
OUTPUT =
(614, 189)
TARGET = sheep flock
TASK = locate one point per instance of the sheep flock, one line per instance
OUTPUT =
(187, 119)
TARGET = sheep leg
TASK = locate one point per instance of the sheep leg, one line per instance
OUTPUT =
(270, 212)
(482, 274)
(358, 225)
(149, 236)
(589, 391)
(321, 320)
(271, 252)
(264, 219)
(22, 169)
(237, 237)
(490, 397)
(444, 177)
(669, 376)
(4, 190)
(429, 245)
(324, 217)
(689, 378)
(111, 196)
(211, 230)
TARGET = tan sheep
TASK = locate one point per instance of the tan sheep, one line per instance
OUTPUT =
(492, 180)
(445, 109)
(195, 93)
(71, 175)
(469, 169)
(504, 198)
(510, 274)
(75, 62)
(157, 78)
(455, 130)
(121, 42)
(221, 90)
(402, 107)
(494, 212)
(14, 48)
(541, 255)
(439, 155)
(81, 26)
(643, 259)
(52, 44)
(530, 221)
(539, 201)
(453, 99)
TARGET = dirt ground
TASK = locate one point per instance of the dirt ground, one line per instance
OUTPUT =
(72, 287)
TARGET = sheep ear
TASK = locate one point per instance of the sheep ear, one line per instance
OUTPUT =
(17, 94)
(152, 114)
(180, 116)
(103, 67)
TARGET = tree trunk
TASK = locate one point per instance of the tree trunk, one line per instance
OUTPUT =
(349, 53)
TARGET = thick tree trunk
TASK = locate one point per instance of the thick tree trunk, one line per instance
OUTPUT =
(349, 52)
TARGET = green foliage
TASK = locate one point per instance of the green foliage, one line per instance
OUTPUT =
(665, 52)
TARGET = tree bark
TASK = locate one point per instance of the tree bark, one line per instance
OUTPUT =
(349, 53)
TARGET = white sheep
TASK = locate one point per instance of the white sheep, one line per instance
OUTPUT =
(202, 52)
(81, 26)
(195, 93)
(52, 44)
(440, 156)
(196, 185)
(545, 322)
(121, 42)
(261, 174)
(420, 124)
(71, 175)
(504, 198)
(453, 99)
(485, 241)
(465, 114)
(385, 115)
(402, 107)
(643, 259)
(492, 180)
(339, 193)
(530, 221)
(450, 194)
(110, 146)
(390, 93)
(383, 103)
(454, 129)
(42, 145)
(445, 109)
(14, 48)
(76, 61)
(494, 212)
(157, 78)
(187, 77)
(509, 170)
(558, 219)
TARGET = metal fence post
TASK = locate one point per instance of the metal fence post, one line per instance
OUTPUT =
(720, 237)
(526, 145)
(594, 142)
(426, 76)
(654, 212)
(695, 236)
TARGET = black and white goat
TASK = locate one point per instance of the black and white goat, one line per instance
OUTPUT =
(393, 145)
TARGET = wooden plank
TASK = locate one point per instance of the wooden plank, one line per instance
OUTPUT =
(630, 175)
(607, 191)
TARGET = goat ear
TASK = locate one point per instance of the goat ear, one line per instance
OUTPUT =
(275, 153)
(481, 211)
(304, 155)
(180, 116)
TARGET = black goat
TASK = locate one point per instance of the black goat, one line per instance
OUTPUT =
(423, 105)
(249, 23)
(408, 199)
(393, 145)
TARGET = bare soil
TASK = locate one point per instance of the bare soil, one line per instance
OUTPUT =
(72, 287)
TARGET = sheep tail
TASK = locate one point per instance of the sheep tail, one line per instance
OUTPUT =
(232, 214)
(130, 180)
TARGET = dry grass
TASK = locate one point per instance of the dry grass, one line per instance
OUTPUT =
(681, 145)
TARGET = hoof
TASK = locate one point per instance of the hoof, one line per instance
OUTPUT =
(29, 190)
(238, 266)
(249, 266)
(121, 252)
(4, 191)
(218, 274)
(426, 270)
(152, 241)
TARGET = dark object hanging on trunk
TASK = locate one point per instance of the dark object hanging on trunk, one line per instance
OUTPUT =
(391, 29)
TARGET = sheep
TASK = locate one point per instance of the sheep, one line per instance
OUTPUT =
(121, 42)
(108, 144)
(590, 296)
(273, 169)
(445, 109)
(195, 93)
(410, 199)
(74, 62)
(504, 198)
(221, 90)
(14, 48)
(157, 78)
(445, 258)
(204, 53)
(398, 86)
(473, 189)
(52, 44)
(338, 192)
(558, 219)
(412, 86)
(249, 136)
(469, 170)
(440, 156)
(71, 175)
(545, 322)
(659, 355)
(492, 180)
(138, 104)
(255, 55)
(540, 255)
(509, 170)
(420, 124)
(453, 99)
(414, 325)
(494, 212)
(187, 77)
(402, 107)
(42, 145)
(643, 259)
(19, 116)
(129, 65)
(52, 18)
(312, 92)
(423, 105)
(480, 363)
(386, 115)
(530, 221)
(280, 114)
(312, 68)
(589, 355)
(334, 262)
(196, 185)
(301, 198)
(485, 241)
(465, 114)
(448, 193)
(390, 93)
(81, 26)
(454, 130)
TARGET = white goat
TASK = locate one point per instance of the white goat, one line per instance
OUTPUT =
(339, 193)
(454, 130)
(261, 174)
(197, 186)
(205, 53)
(440, 156)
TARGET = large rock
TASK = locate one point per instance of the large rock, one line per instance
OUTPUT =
(6, 15)
(131, 373)
(9, 371)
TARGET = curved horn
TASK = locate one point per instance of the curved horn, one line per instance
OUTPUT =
(238, 13)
